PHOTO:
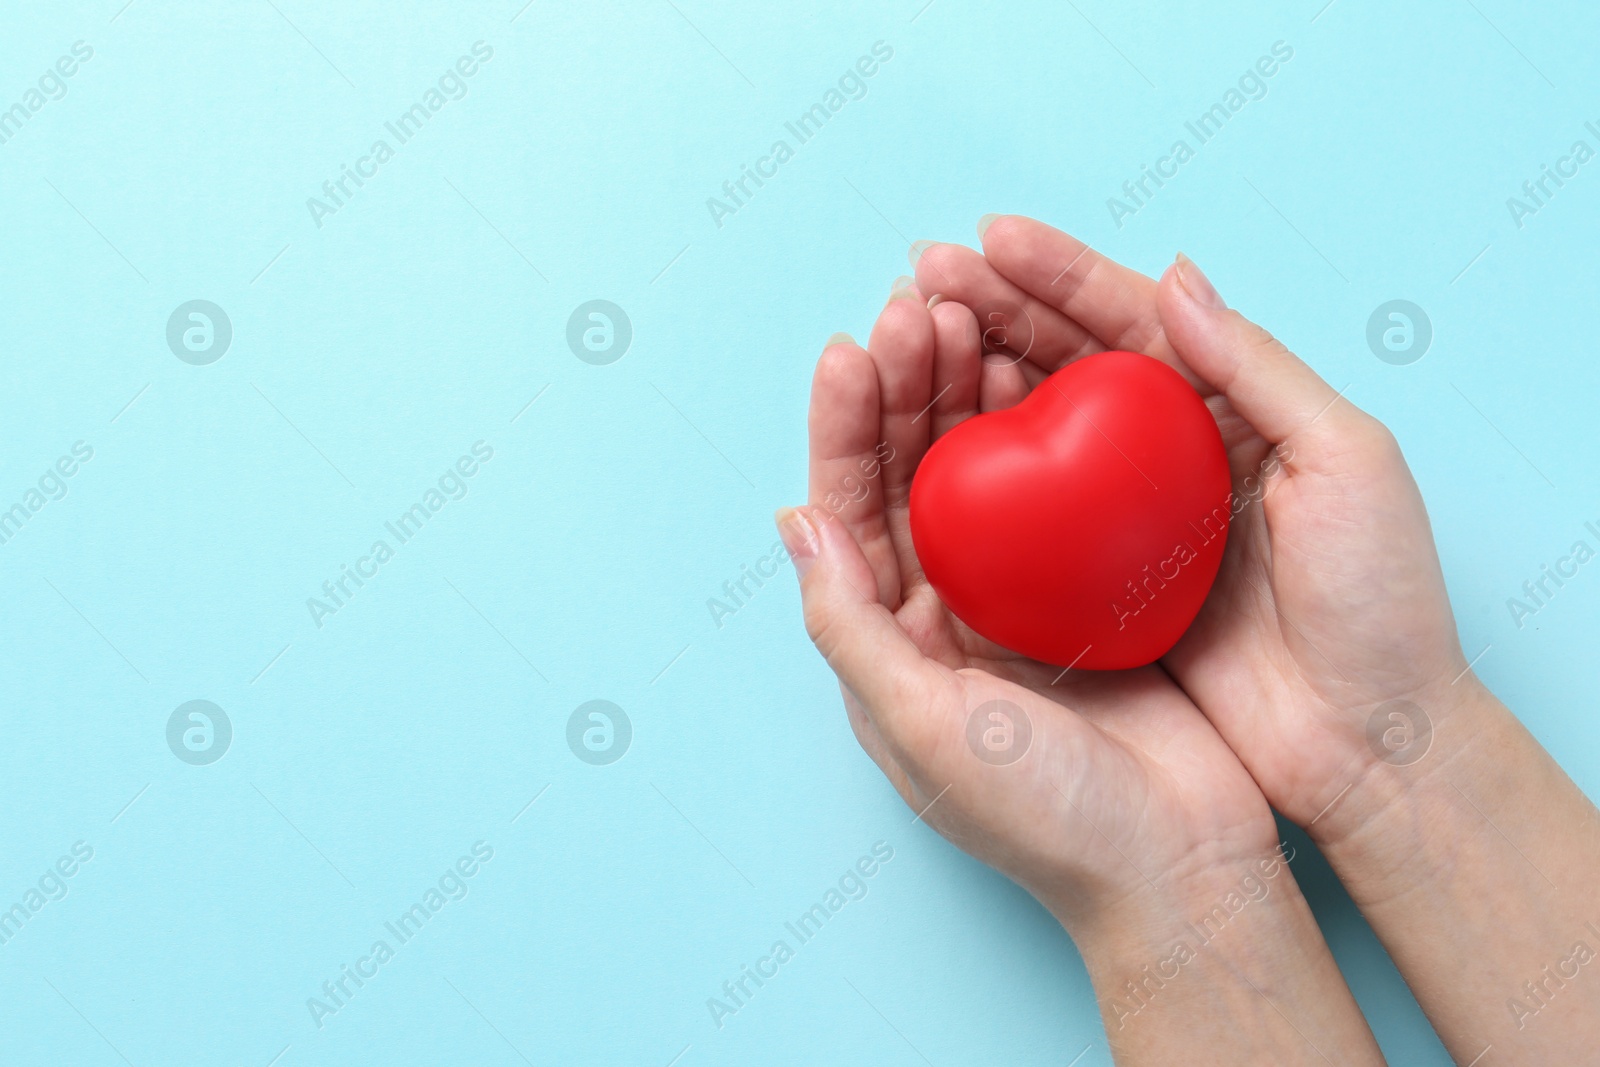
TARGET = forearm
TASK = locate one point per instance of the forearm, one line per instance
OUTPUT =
(1229, 968)
(1477, 868)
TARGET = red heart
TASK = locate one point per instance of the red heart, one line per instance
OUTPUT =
(1084, 526)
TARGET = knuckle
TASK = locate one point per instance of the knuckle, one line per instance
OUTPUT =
(903, 310)
(1259, 341)
(819, 624)
(1376, 438)
(956, 318)
(1365, 442)
(1143, 335)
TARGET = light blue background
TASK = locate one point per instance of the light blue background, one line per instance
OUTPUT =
(370, 353)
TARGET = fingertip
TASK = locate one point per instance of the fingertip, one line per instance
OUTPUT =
(1004, 229)
(1194, 316)
(839, 358)
(844, 394)
(1195, 285)
(1001, 385)
(905, 309)
(797, 530)
(934, 264)
(950, 305)
(1266, 383)
(836, 580)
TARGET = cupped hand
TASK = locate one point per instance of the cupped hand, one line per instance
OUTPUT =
(1330, 602)
(1093, 791)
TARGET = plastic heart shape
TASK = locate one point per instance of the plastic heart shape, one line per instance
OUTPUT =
(1084, 526)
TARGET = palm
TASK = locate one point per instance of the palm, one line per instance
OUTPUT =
(1340, 612)
(1126, 779)
(1321, 584)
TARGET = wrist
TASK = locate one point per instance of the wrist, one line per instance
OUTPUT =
(1390, 828)
(1222, 952)
(1176, 904)
(1475, 866)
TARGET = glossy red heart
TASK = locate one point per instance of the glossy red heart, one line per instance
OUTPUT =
(1084, 526)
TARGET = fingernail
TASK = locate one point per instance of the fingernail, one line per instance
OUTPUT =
(903, 293)
(799, 538)
(1197, 285)
(901, 282)
(984, 222)
(933, 300)
(917, 248)
(838, 339)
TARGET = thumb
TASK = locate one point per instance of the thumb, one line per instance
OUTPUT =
(1271, 387)
(859, 637)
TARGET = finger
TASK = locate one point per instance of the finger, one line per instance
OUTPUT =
(1264, 382)
(902, 351)
(1026, 325)
(1116, 304)
(900, 689)
(1002, 384)
(847, 455)
(957, 366)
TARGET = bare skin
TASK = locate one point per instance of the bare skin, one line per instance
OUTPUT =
(1127, 815)
(1470, 851)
